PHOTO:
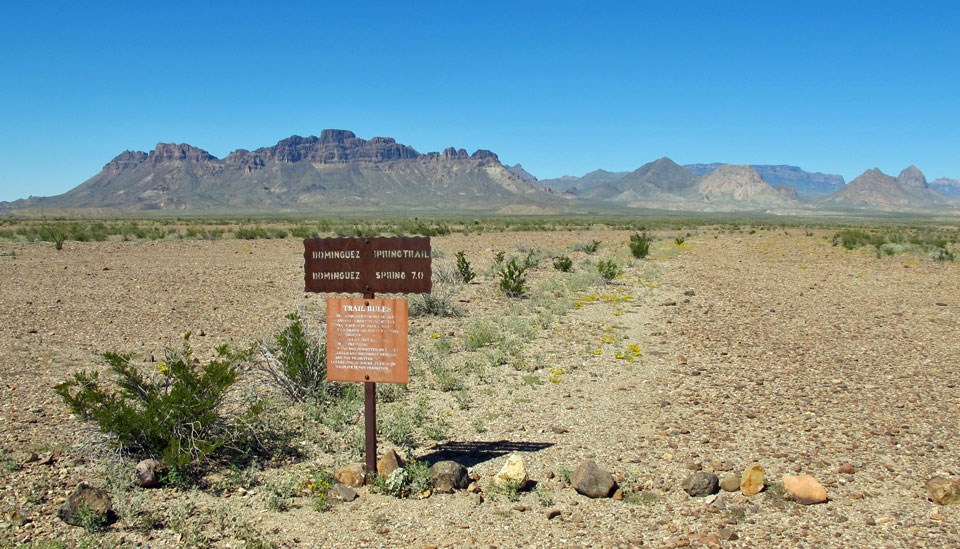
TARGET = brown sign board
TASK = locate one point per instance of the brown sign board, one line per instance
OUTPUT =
(367, 340)
(368, 265)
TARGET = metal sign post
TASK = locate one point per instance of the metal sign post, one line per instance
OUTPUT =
(367, 338)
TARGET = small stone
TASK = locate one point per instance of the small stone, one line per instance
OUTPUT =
(343, 492)
(550, 475)
(148, 473)
(871, 521)
(669, 303)
(352, 475)
(592, 481)
(448, 476)
(513, 472)
(520, 508)
(804, 489)
(390, 462)
(729, 482)
(553, 513)
(559, 430)
(473, 487)
(689, 293)
(86, 503)
(727, 534)
(943, 491)
(752, 480)
(847, 469)
(701, 484)
(618, 495)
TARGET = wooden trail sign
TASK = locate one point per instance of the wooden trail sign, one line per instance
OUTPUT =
(368, 265)
(367, 338)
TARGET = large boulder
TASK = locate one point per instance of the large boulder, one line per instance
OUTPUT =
(88, 507)
(804, 489)
(943, 491)
(513, 472)
(592, 481)
(390, 462)
(448, 476)
(701, 484)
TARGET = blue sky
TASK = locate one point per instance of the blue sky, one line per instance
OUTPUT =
(561, 87)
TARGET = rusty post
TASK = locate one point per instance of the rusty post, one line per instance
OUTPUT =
(370, 420)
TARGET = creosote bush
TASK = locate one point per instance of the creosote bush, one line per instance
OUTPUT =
(464, 271)
(563, 264)
(174, 414)
(513, 278)
(608, 269)
(296, 362)
(639, 245)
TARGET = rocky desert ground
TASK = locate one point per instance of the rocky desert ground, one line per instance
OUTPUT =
(730, 349)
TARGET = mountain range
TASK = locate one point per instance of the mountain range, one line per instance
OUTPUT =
(340, 171)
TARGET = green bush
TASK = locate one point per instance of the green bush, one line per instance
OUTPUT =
(296, 363)
(54, 232)
(563, 264)
(513, 278)
(608, 269)
(463, 268)
(588, 247)
(438, 303)
(679, 241)
(173, 414)
(639, 245)
(409, 480)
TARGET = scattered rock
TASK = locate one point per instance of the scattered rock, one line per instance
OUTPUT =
(752, 480)
(701, 484)
(689, 293)
(513, 472)
(352, 475)
(342, 492)
(727, 534)
(943, 491)
(553, 513)
(390, 462)
(729, 482)
(87, 506)
(520, 508)
(148, 473)
(592, 481)
(559, 430)
(847, 469)
(618, 494)
(473, 487)
(448, 476)
(804, 489)
(669, 303)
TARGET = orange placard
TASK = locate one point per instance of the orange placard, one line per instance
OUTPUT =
(367, 340)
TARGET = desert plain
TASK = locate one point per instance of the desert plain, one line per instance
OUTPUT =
(724, 348)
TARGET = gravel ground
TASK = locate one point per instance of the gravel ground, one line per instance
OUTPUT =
(769, 348)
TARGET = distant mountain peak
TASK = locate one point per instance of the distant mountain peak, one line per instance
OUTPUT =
(912, 177)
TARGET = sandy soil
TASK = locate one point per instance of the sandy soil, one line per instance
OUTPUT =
(773, 348)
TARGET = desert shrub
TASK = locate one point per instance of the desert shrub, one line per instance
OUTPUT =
(296, 363)
(608, 269)
(944, 255)
(53, 232)
(438, 303)
(563, 264)
(679, 241)
(409, 480)
(243, 233)
(480, 334)
(498, 258)
(174, 414)
(513, 278)
(639, 245)
(856, 238)
(463, 268)
(588, 247)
